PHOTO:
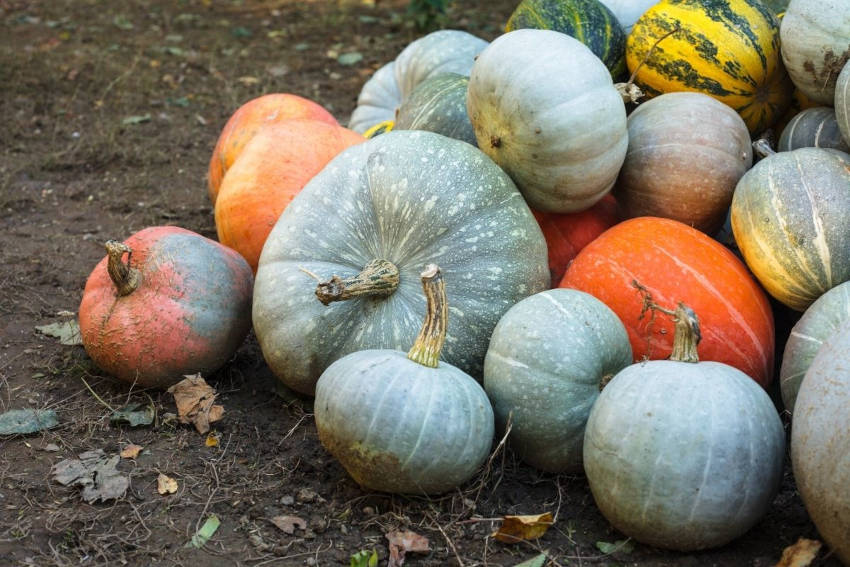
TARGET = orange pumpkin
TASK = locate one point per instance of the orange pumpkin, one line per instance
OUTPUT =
(675, 262)
(250, 117)
(273, 167)
(567, 233)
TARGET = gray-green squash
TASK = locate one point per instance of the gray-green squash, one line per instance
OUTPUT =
(820, 321)
(366, 225)
(815, 127)
(438, 104)
(842, 102)
(544, 107)
(406, 423)
(820, 442)
(548, 358)
(682, 454)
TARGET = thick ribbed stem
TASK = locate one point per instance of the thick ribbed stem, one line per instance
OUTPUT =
(378, 277)
(686, 337)
(426, 349)
(763, 148)
(125, 278)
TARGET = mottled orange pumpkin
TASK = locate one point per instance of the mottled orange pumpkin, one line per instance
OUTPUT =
(273, 167)
(250, 117)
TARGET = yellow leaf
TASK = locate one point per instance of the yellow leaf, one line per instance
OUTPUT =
(518, 528)
(166, 484)
(801, 554)
(131, 451)
(212, 439)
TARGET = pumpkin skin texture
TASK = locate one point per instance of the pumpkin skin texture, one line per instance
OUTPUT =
(820, 321)
(683, 455)
(409, 197)
(790, 220)
(628, 11)
(567, 233)
(189, 313)
(589, 21)
(438, 104)
(545, 109)
(816, 45)
(727, 49)
(842, 102)
(687, 152)
(547, 359)
(250, 117)
(812, 128)
(675, 262)
(442, 51)
(820, 442)
(272, 169)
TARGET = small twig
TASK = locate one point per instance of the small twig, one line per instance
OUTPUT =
(98, 398)
(448, 540)
(309, 273)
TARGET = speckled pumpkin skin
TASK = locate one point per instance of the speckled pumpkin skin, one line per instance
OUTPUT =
(412, 198)
(438, 104)
(190, 313)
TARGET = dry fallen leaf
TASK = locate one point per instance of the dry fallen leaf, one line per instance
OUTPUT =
(95, 472)
(801, 554)
(194, 399)
(287, 524)
(518, 528)
(131, 451)
(165, 484)
(401, 543)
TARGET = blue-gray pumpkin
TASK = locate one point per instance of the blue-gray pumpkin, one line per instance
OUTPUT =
(438, 104)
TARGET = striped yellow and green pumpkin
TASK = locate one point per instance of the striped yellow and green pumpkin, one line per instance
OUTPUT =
(379, 128)
(589, 21)
(728, 49)
(778, 6)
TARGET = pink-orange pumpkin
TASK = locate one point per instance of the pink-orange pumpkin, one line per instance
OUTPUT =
(675, 262)
(273, 167)
(164, 303)
(250, 117)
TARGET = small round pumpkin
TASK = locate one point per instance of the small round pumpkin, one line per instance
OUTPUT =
(812, 128)
(791, 220)
(562, 140)
(687, 152)
(406, 424)
(365, 226)
(816, 45)
(272, 169)
(442, 51)
(438, 104)
(820, 321)
(589, 21)
(842, 102)
(727, 49)
(682, 454)
(548, 359)
(673, 261)
(250, 117)
(820, 442)
(568, 233)
(180, 304)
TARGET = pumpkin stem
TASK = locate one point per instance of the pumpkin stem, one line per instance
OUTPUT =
(629, 90)
(125, 278)
(686, 334)
(378, 277)
(426, 349)
(763, 147)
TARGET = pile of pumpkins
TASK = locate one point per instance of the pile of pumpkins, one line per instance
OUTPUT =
(529, 237)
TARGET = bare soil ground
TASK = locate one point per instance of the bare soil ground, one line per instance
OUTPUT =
(110, 111)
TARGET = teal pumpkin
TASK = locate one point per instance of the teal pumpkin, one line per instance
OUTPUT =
(842, 102)
(438, 104)
(589, 21)
(815, 127)
(548, 358)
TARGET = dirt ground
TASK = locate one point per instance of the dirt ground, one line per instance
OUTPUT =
(110, 111)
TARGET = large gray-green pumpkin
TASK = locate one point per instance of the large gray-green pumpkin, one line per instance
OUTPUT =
(544, 107)
(408, 198)
(683, 455)
(442, 51)
(791, 220)
(842, 102)
(820, 321)
(406, 423)
(815, 36)
(686, 153)
(820, 442)
(548, 358)
(438, 104)
(815, 127)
